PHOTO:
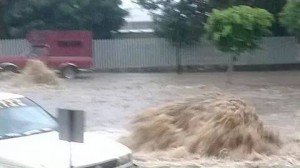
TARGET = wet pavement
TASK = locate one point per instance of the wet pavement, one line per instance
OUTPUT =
(111, 99)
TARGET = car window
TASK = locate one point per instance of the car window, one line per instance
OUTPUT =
(18, 116)
(37, 51)
(69, 44)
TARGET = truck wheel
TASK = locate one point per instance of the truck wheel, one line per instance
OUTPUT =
(69, 72)
(11, 69)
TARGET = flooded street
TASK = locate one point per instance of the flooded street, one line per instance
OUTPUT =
(110, 100)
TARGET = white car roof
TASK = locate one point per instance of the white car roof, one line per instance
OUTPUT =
(4, 95)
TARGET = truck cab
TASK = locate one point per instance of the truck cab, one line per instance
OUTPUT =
(69, 52)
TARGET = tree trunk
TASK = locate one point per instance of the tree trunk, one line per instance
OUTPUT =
(230, 70)
(178, 59)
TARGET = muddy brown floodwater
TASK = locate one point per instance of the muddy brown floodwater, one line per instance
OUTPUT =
(112, 99)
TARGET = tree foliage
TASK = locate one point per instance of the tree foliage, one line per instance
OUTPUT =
(290, 17)
(2, 24)
(239, 28)
(157, 4)
(223, 4)
(178, 21)
(272, 6)
(99, 16)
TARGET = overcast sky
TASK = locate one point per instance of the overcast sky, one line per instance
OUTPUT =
(136, 13)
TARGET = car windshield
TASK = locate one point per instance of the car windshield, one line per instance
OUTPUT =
(22, 117)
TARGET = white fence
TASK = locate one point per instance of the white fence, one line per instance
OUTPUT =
(157, 52)
(13, 47)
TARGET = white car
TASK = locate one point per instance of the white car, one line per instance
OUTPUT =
(28, 138)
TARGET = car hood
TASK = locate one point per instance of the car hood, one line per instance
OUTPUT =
(46, 150)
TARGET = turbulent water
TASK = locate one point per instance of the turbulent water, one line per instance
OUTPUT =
(213, 124)
(111, 101)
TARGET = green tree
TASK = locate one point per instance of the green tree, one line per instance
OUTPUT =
(99, 16)
(272, 6)
(180, 22)
(223, 4)
(290, 17)
(238, 29)
(2, 25)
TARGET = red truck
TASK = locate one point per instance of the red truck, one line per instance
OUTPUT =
(67, 51)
